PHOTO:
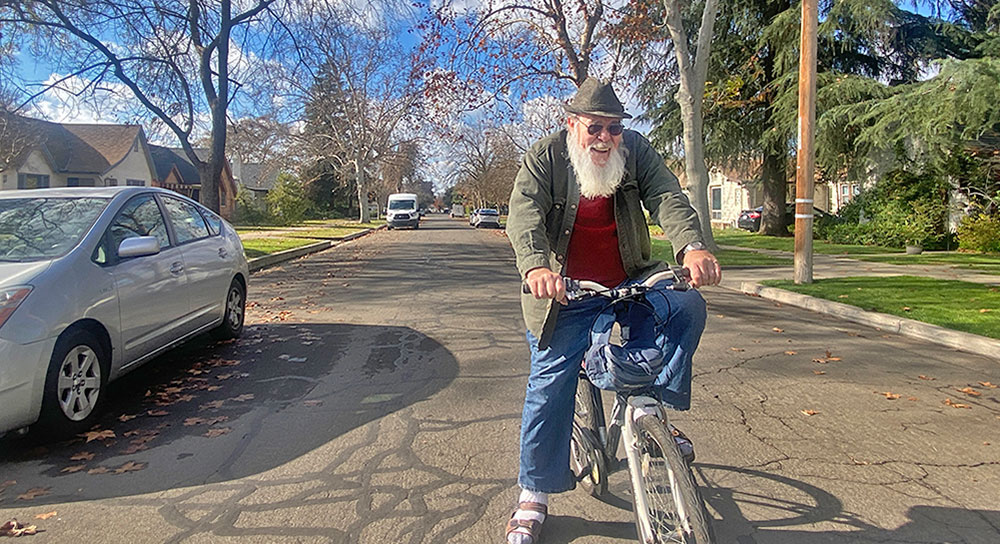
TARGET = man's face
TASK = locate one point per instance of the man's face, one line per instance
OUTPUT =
(600, 144)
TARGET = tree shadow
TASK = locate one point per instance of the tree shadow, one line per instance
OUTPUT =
(210, 412)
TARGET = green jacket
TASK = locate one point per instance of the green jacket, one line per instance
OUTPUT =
(543, 208)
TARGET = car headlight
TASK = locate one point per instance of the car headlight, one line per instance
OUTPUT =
(10, 299)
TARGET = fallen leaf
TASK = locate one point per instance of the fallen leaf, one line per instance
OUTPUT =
(98, 435)
(193, 421)
(82, 456)
(988, 384)
(74, 468)
(809, 412)
(131, 466)
(33, 493)
(820, 361)
(776, 329)
(890, 395)
(791, 352)
(737, 349)
(211, 405)
(843, 296)
(912, 398)
(819, 372)
(135, 448)
(906, 308)
(212, 433)
(828, 354)
(157, 413)
(125, 417)
(970, 391)
(46, 515)
(13, 528)
(984, 310)
(956, 404)
(243, 398)
(98, 470)
(928, 378)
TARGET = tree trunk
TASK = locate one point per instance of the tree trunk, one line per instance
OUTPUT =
(694, 164)
(362, 185)
(774, 185)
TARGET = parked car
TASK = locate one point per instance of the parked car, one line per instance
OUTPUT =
(402, 211)
(94, 282)
(485, 217)
(750, 219)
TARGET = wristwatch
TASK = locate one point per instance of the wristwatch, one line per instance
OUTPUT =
(693, 246)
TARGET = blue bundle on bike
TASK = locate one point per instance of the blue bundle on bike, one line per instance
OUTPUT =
(638, 361)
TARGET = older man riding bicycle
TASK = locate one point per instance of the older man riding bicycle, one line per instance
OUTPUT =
(577, 211)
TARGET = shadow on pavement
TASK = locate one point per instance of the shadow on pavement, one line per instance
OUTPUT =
(782, 510)
(211, 412)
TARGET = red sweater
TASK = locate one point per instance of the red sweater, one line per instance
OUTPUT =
(593, 252)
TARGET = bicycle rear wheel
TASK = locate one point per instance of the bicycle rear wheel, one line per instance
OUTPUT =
(674, 511)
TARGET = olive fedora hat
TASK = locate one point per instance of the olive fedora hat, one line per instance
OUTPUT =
(594, 97)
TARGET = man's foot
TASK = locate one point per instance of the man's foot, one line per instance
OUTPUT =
(525, 524)
(683, 443)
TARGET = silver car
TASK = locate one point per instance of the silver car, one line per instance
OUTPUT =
(95, 282)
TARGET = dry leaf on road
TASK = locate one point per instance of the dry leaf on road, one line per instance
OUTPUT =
(809, 412)
(131, 466)
(889, 395)
(956, 404)
(13, 528)
(46, 515)
(82, 456)
(157, 413)
(243, 398)
(928, 378)
(776, 329)
(98, 435)
(33, 493)
(969, 391)
(819, 372)
(791, 353)
(988, 384)
(98, 470)
(737, 349)
(74, 468)
(212, 433)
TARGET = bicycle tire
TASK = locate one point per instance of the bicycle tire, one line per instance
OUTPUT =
(585, 405)
(587, 461)
(668, 487)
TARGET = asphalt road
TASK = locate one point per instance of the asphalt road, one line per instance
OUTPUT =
(375, 398)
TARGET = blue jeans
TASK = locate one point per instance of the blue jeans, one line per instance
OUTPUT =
(547, 419)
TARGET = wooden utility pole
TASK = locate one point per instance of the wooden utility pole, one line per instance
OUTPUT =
(806, 155)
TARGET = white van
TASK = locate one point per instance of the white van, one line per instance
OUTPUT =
(457, 210)
(402, 211)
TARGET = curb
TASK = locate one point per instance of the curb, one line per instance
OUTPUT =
(963, 341)
(266, 261)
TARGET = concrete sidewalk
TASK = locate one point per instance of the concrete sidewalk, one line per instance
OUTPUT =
(746, 280)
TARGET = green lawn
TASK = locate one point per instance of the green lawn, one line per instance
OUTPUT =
(727, 257)
(325, 233)
(742, 238)
(983, 262)
(258, 247)
(958, 305)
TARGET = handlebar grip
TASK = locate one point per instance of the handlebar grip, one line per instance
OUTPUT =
(525, 289)
(571, 286)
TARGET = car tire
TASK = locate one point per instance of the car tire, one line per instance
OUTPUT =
(417, 226)
(232, 320)
(75, 384)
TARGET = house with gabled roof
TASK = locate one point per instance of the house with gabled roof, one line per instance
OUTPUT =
(173, 170)
(36, 154)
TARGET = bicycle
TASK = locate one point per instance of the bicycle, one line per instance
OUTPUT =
(667, 504)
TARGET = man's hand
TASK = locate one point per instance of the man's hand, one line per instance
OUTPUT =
(545, 283)
(704, 267)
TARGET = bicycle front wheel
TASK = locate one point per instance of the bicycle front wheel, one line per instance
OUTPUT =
(668, 506)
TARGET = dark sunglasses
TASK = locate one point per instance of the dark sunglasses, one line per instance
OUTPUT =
(614, 129)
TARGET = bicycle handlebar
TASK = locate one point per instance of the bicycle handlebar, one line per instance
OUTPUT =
(581, 289)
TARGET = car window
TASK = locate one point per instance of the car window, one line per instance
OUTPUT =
(42, 228)
(214, 221)
(187, 221)
(138, 217)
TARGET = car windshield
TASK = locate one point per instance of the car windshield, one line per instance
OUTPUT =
(489, 212)
(35, 229)
(401, 205)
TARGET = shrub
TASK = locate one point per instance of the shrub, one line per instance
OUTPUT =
(980, 232)
(287, 203)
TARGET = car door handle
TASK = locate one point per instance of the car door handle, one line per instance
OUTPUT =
(223, 253)
(176, 268)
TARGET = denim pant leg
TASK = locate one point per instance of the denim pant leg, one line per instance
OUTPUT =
(685, 312)
(547, 419)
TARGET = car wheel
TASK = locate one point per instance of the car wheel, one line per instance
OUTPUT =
(232, 321)
(75, 385)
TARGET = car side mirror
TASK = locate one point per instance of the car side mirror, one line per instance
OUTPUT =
(139, 246)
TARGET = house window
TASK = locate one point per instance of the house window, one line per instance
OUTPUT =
(32, 181)
(111, 182)
(135, 183)
(80, 182)
(716, 202)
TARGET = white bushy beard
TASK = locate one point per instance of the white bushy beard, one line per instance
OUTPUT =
(595, 181)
